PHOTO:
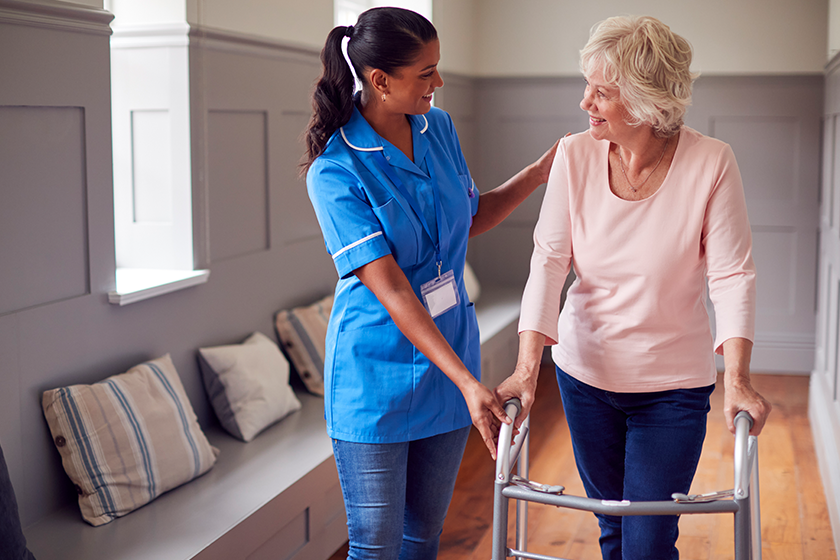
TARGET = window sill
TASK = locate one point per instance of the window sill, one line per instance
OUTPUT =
(137, 284)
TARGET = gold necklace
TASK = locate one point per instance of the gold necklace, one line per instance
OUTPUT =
(626, 180)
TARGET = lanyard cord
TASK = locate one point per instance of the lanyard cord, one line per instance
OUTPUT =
(389, 171)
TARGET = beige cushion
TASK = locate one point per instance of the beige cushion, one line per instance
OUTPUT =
(248, 385)
(303, 332)
(127, 439)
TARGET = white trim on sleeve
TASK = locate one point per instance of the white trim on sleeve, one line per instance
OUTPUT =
(356, 243)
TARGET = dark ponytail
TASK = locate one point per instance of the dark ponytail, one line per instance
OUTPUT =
(383, 38)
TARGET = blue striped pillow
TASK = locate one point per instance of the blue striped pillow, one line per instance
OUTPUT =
(302, 332)
(127, 439)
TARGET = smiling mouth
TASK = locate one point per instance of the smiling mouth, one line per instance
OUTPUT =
(595, 120)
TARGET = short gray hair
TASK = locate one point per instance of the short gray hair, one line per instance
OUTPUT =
(650, 66)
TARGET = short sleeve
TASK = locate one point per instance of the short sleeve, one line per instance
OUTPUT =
(352, 233)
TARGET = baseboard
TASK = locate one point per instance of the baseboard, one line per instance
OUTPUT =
(824, 416)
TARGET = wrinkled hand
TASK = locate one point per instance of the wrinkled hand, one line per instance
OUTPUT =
(521, 386)
(741, 396)
(486, 414)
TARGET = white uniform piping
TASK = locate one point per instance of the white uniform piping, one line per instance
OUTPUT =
(355, 243)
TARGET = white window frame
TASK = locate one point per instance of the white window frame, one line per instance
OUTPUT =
(150, 98)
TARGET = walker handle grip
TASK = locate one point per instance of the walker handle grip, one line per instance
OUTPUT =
(743, 424)
(505, 454)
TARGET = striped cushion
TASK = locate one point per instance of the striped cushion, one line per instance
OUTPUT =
(303, 332)
(127, 439)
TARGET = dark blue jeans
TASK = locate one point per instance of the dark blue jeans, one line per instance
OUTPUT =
(396, 494)
(635, 446)
(12, 541)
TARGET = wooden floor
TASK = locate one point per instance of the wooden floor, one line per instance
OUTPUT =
(794, 518)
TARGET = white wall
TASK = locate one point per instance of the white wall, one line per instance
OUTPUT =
(833, 27)
(306, 23)
(146, 12)
(543, 37)
(455, 21)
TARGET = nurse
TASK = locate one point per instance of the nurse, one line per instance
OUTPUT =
(396, 205)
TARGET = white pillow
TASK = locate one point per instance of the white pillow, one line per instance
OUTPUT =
(471, 283)
(248, 385)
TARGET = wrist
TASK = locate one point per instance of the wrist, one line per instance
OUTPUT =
(527, 372)
(735, 378)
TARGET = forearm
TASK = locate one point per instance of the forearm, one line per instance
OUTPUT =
(736, 357)
(531, 345)
(496, 205)
(739, 394)
(390, 286)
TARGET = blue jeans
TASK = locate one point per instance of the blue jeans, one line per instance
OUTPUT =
(396, 494)
(635, 446)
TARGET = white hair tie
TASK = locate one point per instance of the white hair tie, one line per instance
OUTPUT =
(357, 84)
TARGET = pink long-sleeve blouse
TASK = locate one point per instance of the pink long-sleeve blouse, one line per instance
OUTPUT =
(635, 318)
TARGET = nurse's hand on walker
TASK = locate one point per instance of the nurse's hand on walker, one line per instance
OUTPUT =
(389, 284)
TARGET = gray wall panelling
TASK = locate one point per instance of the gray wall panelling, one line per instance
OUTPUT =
(72, 335)
(81, 338)
(773, 125)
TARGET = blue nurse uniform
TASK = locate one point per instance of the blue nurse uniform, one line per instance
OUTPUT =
(378, 387)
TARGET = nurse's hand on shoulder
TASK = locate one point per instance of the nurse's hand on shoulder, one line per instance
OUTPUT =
(486, 414)
(542, 167)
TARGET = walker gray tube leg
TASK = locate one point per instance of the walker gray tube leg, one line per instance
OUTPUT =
(500, 515)
(755, 510)
(743, 526)
(522, 505)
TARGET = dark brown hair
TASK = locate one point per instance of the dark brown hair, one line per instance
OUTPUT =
(383, 38)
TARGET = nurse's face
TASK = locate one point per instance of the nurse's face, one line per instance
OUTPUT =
(410, 90)
(607, 114)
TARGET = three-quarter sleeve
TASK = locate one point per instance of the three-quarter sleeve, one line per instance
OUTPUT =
(551, 259)
(352, 233)
(727, 242)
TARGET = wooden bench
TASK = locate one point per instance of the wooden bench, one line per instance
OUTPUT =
(276, 497)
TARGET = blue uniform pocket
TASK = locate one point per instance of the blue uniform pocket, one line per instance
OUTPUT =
(373, 383)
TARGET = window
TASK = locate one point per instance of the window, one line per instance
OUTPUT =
(150, 116)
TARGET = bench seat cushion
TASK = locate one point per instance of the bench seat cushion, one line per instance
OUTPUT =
(248, 385)
(127, 439)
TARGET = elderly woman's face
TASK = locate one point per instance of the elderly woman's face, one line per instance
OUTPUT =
(607, 114)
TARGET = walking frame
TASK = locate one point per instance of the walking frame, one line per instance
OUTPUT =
(742, 501)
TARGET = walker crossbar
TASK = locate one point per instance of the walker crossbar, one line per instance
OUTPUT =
(744, 506)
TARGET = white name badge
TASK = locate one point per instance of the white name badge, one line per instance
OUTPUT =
(441, 294)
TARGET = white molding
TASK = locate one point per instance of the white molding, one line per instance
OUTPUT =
(145, 36)
(824, 417)
(135, 285)
(52, 14)
(786, 341)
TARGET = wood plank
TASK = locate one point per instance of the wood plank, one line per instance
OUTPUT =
(795, 522)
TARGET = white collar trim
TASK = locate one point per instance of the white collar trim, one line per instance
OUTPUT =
(379, 148)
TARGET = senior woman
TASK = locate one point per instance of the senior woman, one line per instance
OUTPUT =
(646, 210)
